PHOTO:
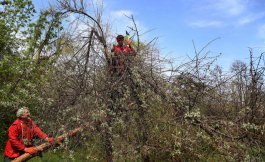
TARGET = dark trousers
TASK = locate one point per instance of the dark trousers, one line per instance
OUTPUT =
(8, 159)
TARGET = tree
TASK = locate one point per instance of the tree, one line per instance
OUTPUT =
(239, 84)
(149, 112)
(21, 76)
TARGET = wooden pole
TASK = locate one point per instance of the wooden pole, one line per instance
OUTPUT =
(45, 146)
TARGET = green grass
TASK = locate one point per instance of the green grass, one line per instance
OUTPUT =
(78, 155)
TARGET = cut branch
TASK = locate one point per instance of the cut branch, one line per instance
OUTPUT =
(45, 146)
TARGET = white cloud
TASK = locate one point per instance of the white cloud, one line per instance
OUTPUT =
(121, 21)
(261, 32)
(206, 23)
(121, 13)
(250, 18)
(77, 26)
(227, 7)
(225, 13)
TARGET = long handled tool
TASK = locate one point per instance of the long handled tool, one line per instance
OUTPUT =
(45, 146)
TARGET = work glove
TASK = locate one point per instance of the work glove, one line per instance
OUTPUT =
(49, 139)
(31, 150)
(60, 138)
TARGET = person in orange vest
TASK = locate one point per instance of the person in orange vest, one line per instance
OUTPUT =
(20, 136)
(121, 51)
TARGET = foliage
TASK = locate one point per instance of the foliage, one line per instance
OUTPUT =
(21, 76)
(14, 20)
(194, 113)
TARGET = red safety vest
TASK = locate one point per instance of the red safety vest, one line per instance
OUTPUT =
(124, 49)
(18, 134)
(119, 57)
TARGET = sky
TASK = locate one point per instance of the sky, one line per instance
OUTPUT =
(237, 24)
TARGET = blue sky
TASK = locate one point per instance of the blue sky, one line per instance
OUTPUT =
(238, 24)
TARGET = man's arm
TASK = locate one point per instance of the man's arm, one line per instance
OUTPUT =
(132, 51)
(41, 134)
(38, 131)
(113, 48)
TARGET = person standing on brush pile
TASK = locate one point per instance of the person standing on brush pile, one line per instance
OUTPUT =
(120, 54)
(20, 136)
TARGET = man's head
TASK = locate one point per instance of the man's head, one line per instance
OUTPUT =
(120, 39)
(23, 113)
